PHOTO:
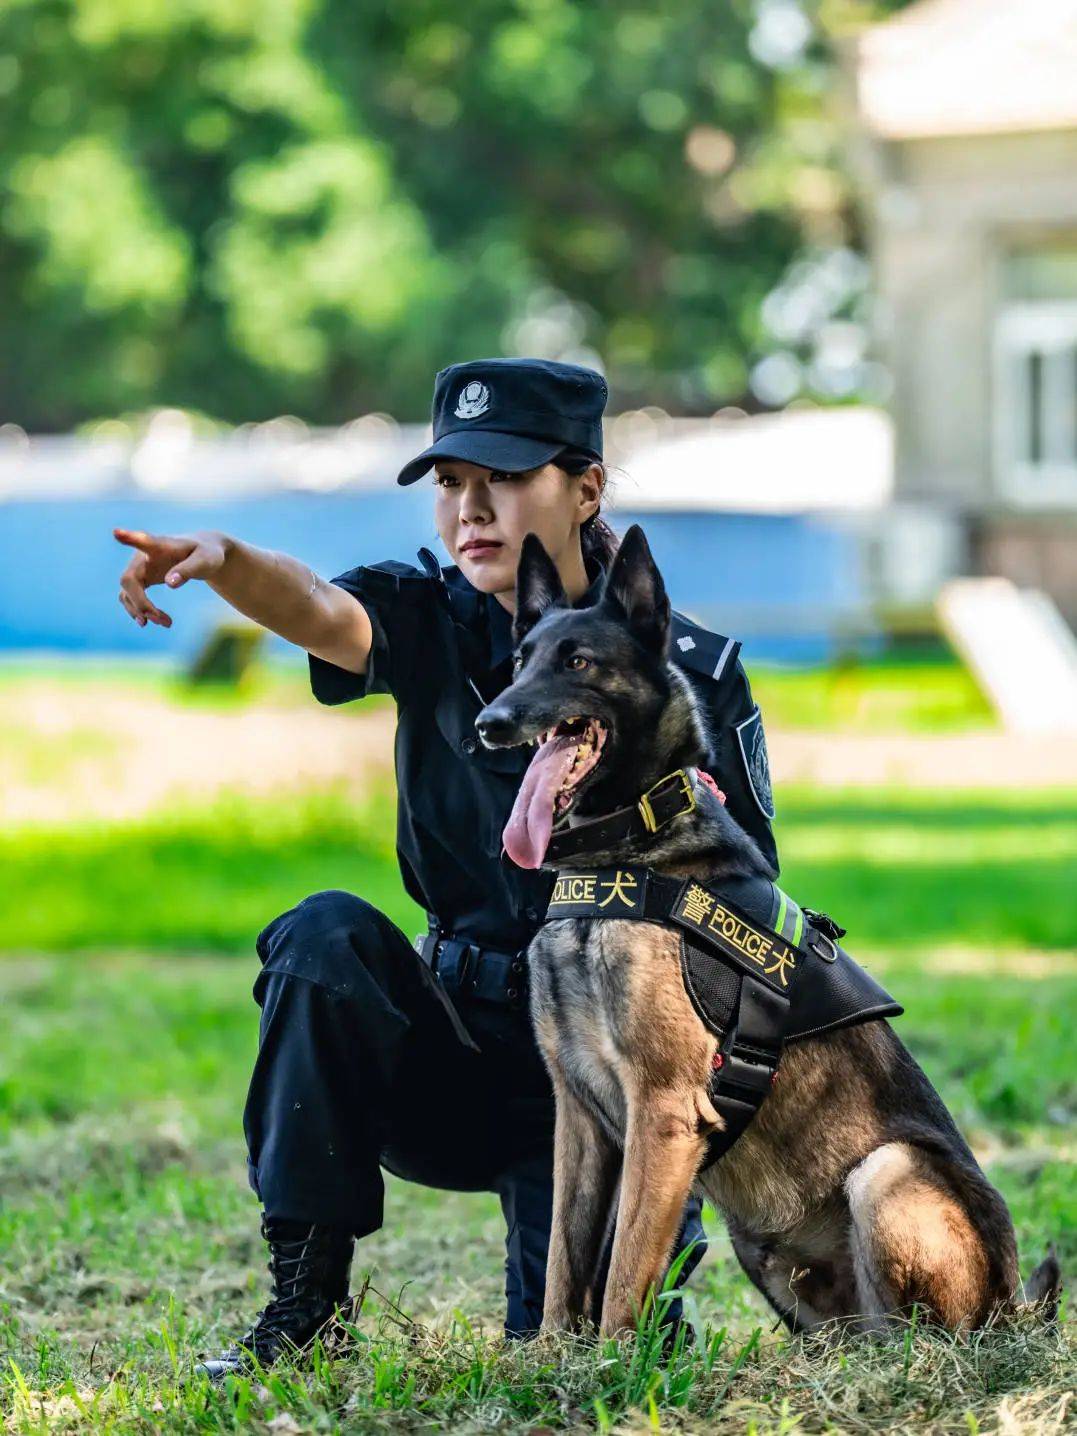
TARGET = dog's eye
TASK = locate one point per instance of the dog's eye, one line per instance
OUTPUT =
(517, 662)
(577, 662)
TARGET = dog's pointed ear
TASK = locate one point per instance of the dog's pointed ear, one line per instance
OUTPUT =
(634, 590)
(538, 587)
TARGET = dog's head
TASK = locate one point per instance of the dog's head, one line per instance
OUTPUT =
(592, 688)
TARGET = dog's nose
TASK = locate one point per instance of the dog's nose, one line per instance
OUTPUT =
(496, 723)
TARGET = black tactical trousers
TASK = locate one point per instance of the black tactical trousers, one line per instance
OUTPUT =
(364, 1063)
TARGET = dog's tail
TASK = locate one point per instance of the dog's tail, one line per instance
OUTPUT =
(1044, 1287)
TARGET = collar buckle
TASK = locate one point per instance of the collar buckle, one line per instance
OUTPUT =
(646, 809)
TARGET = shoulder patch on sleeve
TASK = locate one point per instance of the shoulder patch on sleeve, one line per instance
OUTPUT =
(753, 752)
(693, 646)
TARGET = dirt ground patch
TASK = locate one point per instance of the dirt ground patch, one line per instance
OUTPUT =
(108, 756)
(98, 754)
(952, 760)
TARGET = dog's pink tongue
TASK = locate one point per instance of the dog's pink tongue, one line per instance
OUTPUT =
(527, 832)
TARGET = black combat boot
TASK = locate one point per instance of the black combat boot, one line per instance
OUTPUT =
(310, 1265)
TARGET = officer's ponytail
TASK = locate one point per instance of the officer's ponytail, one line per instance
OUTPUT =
(597, 539)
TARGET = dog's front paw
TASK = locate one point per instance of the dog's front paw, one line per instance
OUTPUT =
(566, 1323)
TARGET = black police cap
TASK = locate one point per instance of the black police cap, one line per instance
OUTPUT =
(512, 414)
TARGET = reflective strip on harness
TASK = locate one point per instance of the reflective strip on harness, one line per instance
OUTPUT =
(788, 919)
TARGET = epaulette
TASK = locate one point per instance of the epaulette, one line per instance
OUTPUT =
(698, 648)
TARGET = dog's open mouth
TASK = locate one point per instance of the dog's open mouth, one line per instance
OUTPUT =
(567, 753)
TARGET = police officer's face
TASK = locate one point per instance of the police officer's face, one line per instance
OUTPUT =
(483, 514)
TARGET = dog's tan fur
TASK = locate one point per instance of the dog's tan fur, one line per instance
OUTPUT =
(831, 1213)
(852, 1194)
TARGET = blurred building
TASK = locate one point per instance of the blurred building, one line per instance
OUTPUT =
(967, 149)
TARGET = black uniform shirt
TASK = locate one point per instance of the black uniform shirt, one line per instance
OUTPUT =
(442, 648)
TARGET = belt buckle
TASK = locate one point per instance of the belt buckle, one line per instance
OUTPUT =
(472, 959)
(650, 822)
(466, 968)
(431, 949)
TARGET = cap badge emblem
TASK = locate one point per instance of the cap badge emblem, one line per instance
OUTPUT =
(474, 400)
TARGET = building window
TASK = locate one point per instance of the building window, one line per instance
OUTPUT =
(1035, 400)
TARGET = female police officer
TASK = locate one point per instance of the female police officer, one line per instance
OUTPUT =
(374, 1053)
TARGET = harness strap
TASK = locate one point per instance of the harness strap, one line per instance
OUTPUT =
(759, 970)
(746, 1063)
(715, 922)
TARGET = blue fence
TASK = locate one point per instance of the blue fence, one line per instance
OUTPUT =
(791, 586)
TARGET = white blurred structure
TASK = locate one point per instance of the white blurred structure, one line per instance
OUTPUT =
(799, 461)
(967, 146)
(808, 460)
(1019, 649)
(964, 67)
(168, 456)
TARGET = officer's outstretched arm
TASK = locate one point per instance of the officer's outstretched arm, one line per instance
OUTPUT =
(281, 593)
(286, 596)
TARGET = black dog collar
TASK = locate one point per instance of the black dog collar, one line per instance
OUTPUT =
(667, 799)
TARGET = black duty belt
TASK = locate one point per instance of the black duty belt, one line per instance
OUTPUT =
(759, 970)
(467, 969)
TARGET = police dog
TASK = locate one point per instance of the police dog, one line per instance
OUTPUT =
(852, 1194)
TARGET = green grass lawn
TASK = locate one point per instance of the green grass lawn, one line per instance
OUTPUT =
(130, 1238)
(128, 1235)
(922, 689)
(899, 870)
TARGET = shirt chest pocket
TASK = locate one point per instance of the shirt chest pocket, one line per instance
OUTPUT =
(455, 712)
(494, 773)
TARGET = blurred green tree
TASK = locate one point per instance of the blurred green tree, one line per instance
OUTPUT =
(309, 206)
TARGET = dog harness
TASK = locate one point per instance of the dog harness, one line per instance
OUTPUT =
(759, 970)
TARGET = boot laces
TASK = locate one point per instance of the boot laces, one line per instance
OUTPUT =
(298, 1270)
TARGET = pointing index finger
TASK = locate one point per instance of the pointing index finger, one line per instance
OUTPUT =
(134, 538)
